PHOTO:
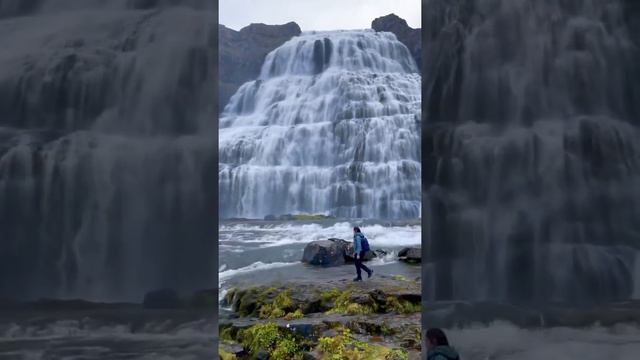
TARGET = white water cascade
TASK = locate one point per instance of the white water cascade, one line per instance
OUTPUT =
(332, 125)
(107, 159)
(532, 151)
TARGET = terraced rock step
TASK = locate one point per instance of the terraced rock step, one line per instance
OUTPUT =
(378, 319)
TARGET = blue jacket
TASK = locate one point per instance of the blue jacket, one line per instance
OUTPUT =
(357, 242)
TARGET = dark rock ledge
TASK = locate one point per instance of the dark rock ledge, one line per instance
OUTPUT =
(315, 320)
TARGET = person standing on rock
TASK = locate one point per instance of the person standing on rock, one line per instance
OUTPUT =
(438, 346)
(358, 253)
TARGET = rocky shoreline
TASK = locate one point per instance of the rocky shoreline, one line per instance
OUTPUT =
(377, 318)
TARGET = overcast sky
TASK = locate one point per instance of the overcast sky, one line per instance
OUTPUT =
(316, 14)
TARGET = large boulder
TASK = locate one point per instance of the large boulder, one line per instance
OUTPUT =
(162, 299)
(411, 255)
(369, 255)
(333, 252)
(329, 252)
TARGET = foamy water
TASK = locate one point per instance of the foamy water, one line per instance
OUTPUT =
(289, 233)
(274, 250)
(107, 335)
(502, 341)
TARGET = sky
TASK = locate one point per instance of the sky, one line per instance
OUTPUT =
(316, 14)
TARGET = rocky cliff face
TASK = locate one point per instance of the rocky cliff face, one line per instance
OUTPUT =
(410, 37)
(242, 53)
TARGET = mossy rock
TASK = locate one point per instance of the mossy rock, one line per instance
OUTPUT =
(350, 303)
(401, 306)
(279, 343)
(346, 347)
(249, 302)
(293, 302)
(225, 355)
(227, 332)
(298, 314)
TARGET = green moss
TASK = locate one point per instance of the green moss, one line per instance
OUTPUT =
(396, 354)
(386, 330)
(283, 301)
(228, 297)
(264, 296)
(286, 349)
(332, 347)
(345, 347)
(249, 301)
(225, 355)
(280, 343)
(228, 334)
(294, 315)
(358, 309)
(399, 278)
(401, 306)
(264, 336)
(277, 313)
(268, 311)
(329, 295)
(277, 308)
(343, 305)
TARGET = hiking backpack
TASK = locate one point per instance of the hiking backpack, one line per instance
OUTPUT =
(364, 243)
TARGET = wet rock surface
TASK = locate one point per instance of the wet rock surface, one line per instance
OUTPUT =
(410, 255)
(374, 314)
(410, 37)
(242, 53)
(329, 252)
(333, 252)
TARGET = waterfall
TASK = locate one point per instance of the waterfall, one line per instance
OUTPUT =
(332, 125)
(107, 182)
(532, 151)
(28, 7)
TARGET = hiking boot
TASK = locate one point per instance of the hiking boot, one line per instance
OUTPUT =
(369, 273)
(357, 279)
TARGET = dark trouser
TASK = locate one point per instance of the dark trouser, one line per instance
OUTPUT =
(360, 266)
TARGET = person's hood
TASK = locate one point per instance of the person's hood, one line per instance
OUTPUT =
(446, 351)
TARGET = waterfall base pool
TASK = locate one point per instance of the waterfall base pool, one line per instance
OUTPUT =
(125, 333)
(273, 249)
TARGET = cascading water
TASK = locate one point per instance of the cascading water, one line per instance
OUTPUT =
(332, 125)
(107, 160)
(531, 151)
